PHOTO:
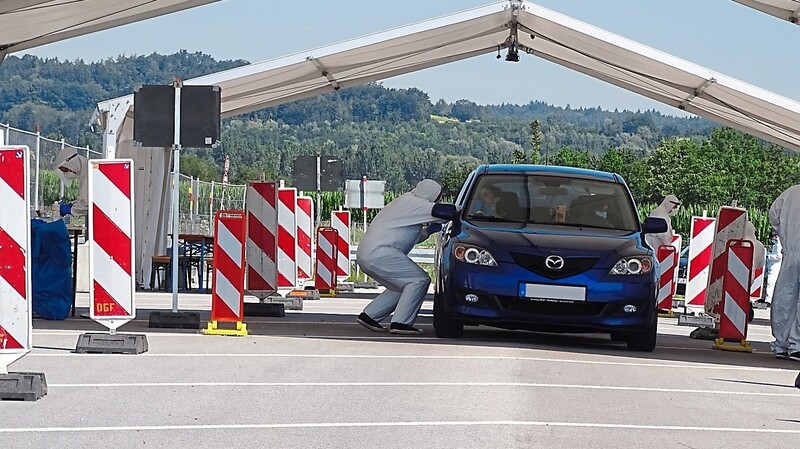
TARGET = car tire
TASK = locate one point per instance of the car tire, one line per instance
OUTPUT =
(443, 325)
(751, 315)
(644, 341)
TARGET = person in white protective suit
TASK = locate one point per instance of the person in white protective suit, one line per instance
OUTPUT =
(667, 209)
(70, 165)
(784, 215)
(773, 266)
(383, 255)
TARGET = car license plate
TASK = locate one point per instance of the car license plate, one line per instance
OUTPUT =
(552, 293)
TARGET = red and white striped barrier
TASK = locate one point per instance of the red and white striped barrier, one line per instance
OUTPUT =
(287, 238)
(111, 243)
(736, 288)
(340, 220)
(325, 277)
(262, 230)
(756, 289)
(666, 285)
(227, 291)
(305, 229)
(730, 225)
(15, 266)
(700, 248)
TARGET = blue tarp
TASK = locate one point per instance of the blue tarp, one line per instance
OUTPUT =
(51, 269)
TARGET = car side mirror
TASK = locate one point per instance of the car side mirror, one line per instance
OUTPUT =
(655, 225)
(445, 211)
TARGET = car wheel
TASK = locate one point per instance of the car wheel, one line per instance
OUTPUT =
(445, 326)
(751, 315)
(645, 340)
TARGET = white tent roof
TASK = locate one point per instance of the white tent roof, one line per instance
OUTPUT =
(539, 32)
(29, 23)
(784, 9)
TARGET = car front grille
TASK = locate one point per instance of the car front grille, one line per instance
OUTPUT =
(523, 305)
(536, 264)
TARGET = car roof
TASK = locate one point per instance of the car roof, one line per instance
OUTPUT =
(547, 169)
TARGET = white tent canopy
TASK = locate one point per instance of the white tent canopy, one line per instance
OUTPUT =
(784, 9)
(29, 23)
(513, 25)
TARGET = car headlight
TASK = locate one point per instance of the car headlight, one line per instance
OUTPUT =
(633, 265)
(474, 255)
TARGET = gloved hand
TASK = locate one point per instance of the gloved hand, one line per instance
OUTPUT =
(65, 209)
(434, 228)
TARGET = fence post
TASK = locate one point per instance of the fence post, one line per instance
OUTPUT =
(61, 191)
(36, 181)
(211, 207)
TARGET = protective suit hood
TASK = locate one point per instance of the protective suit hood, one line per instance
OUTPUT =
(669, 205)
(665, 210)
(427, 189)
(78, 169)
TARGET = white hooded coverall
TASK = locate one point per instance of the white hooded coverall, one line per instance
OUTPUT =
(784, 215)
(667, 209)
(79, 170)
(383, 253)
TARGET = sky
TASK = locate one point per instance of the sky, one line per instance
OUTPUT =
(721, 35)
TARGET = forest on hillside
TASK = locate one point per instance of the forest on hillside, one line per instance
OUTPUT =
(402, 135)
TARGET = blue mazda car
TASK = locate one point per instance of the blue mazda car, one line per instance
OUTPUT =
(546, 248)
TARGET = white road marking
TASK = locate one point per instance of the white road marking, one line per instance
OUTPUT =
(704, 366)
(417, 384)
(394, 424)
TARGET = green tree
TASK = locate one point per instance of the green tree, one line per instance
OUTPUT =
(536, 141)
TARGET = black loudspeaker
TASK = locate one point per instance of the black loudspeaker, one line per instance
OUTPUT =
(154, 116)
(200, 111)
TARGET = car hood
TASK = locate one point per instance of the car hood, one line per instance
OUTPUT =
(546, 240)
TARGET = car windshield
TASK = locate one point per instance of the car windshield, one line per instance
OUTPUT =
(552, 200)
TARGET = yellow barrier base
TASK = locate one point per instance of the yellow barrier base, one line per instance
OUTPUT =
(328, 293)
(669, 314)
(212, 329)
(737, 346)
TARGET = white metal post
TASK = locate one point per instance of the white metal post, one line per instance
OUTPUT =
(61, 191)
(319, 190)
(36, 181)
(176, 164)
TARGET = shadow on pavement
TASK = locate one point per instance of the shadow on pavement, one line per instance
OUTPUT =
(337, 326)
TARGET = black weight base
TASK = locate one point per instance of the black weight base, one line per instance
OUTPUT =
(269, 309)
(174, 320)
(111, 344)
(22, 386)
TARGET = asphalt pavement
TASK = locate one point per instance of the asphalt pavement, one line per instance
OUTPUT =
(315, 378)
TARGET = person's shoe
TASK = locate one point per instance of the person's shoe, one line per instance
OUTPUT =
(795, 356)
(404, 329)
(369, 323)
(782, 355)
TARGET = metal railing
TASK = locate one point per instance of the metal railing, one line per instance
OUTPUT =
(46, 187)
(199, 200)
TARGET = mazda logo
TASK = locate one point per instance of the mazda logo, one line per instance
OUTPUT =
(554, 262)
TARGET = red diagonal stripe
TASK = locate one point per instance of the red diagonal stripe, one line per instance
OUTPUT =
(12, 263)
(283, 281)
(304, 204)
(12, 170)
(287, 197)
(700, 225)
(699, 262)
(255, 282)
(7, 341)
(266, 190)
(719, 266)
(105, 305)
(261, 236)
(119, 174)
(286, 242)
(727, 217)
(111, 238)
